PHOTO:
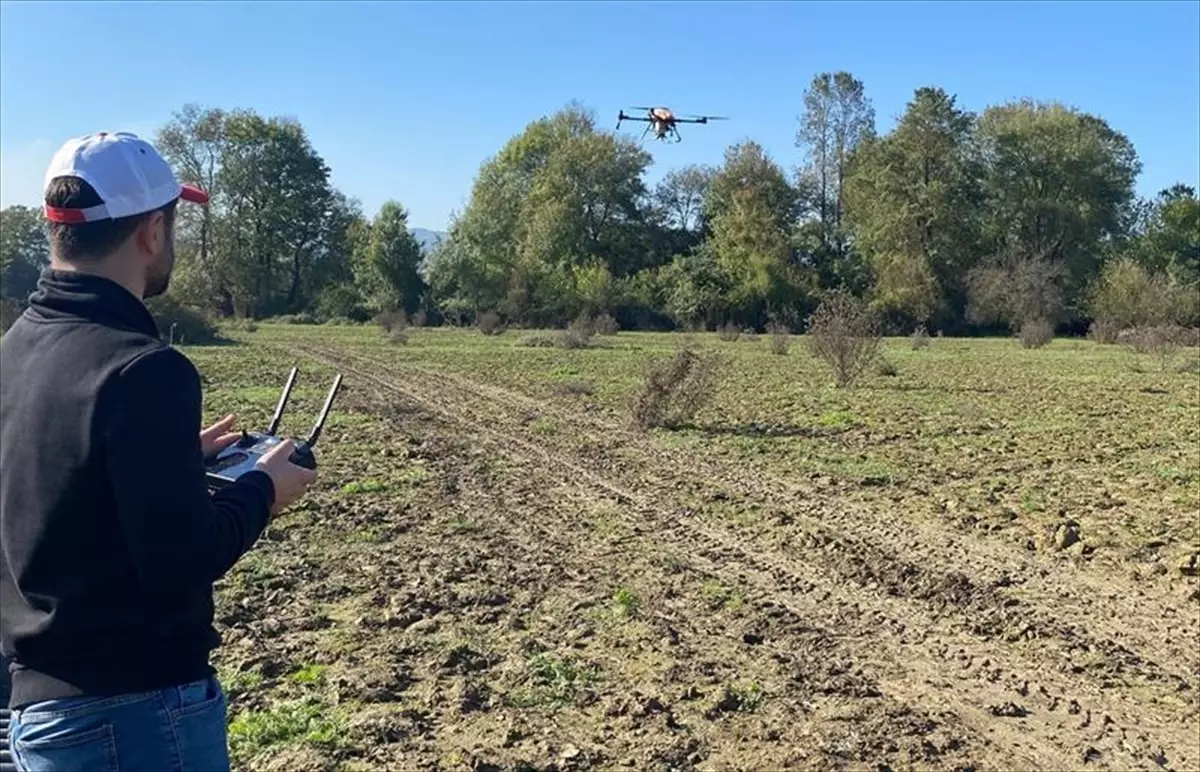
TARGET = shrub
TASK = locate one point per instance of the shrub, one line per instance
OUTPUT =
(780, 338)
(675, 390)
(392, 321)
(1127, 295)
(605, 324)
(729, 333)
(398, 336)
(1161, 341)
(180, 324)
(420, 318)
(920, 338)
(843, 333)
(886, 368)
(489, 323)
(1036, 333)
(577, 335)
(1103, 331)
(341, 300)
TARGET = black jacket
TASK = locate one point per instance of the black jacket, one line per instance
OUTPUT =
(109, 540)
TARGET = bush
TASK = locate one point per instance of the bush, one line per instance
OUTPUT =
(342, 300)
(1103, 331)
(180, 324)
(1128, 295)
(886, 368)
(9, 311)
(844, 334)
(1036, 333)
(392, 321)
(920, 338)
(420, 318)
(577, 335)
(729, 333)
(1161, 341)
(675, 390)
(398, 336)
(780, 338)
(605, 324)
(489, 323)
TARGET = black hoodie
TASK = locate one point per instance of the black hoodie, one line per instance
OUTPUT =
(109, 539)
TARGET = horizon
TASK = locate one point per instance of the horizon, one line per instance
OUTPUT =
(1138, 68)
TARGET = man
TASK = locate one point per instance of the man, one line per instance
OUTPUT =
(109, 540)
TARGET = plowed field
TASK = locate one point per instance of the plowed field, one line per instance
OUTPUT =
(985, 560)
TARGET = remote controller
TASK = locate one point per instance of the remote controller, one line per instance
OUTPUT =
(240, 457)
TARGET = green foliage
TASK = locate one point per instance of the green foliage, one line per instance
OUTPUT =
(24, 251)
(1059, 184)
(914, 206)
(1127, 294)
(180, 323)
(950, 219)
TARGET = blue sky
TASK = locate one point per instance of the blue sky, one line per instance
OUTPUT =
(405, 100)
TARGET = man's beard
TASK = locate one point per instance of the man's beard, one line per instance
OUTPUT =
(158, 275)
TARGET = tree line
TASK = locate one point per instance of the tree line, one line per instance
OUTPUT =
(1022, 214)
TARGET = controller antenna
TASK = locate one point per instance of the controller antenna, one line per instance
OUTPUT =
(316, 430)
(283, 398)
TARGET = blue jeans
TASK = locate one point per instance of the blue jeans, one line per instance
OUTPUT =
(177, 728)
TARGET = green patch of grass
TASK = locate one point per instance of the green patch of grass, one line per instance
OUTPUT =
(749, 696)
(367, 486)
(544, 425)
(552, 680)
(292, 722)
(719, 595)
(627, 602)
(309, 674)
(838, 419)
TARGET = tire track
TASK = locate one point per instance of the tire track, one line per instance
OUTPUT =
(1139, 635)
(908, 649)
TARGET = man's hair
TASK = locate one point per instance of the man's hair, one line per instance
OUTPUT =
(83, 242)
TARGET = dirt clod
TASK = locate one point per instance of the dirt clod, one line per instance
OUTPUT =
(1190, 564)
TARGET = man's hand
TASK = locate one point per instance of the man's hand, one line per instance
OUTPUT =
(290, 480)
(217, 437)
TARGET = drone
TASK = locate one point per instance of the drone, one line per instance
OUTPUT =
(663, 121)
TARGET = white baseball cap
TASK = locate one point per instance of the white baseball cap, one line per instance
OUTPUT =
(128, 174)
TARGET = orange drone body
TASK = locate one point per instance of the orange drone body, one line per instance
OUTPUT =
(663, 121)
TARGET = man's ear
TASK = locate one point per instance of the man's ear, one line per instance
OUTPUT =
(151, 234)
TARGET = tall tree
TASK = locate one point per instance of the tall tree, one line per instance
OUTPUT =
(1059, 186)
(837, 118)
(914, 207)
(393, 257)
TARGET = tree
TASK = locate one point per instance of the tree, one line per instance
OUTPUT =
(914, 207)
(24, 251)
(1059, 186)
(557, 197)
(1170, 241)
(680, 196)
(279, 202)
(393, 257)
(837, 118)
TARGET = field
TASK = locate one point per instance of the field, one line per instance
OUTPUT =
(983, 559)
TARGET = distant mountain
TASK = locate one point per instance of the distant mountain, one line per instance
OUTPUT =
(429, 239)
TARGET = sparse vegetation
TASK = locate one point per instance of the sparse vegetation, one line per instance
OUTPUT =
(920, 338)
(844, 335)
(489, 323)
(780, 337)
(1035, 333)
(674, 391)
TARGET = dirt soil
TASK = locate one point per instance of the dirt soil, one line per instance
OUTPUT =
(518, 584)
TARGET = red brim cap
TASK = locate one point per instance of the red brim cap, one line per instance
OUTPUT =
(193, 194)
